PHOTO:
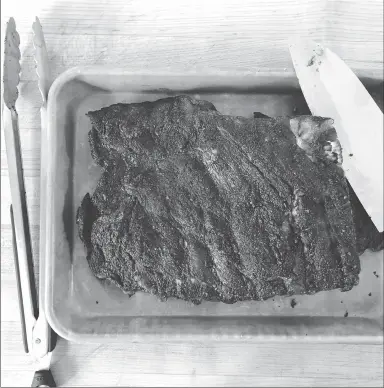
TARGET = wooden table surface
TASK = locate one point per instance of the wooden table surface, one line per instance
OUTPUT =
(180, 35)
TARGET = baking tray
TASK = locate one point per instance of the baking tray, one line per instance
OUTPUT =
(81, 308)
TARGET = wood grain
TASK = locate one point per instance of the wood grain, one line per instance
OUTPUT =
(178, 35)
(202, 365)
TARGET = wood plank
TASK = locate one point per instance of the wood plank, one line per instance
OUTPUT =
(203, 34)
(208, 364)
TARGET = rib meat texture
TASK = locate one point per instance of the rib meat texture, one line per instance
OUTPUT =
(197, 205)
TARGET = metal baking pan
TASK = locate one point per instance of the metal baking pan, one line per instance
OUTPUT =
(81, 308)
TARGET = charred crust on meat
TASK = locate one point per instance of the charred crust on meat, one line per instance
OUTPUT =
(196, 205)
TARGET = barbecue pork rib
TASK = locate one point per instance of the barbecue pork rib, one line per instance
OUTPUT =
(200, 206)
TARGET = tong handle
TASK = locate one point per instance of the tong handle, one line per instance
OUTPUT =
(21, 230)
(43, 378)
(52, 336)
(18, 283)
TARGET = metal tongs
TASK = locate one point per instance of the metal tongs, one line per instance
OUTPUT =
(38, 337)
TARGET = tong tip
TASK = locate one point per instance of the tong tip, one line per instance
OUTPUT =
(11, 77)
(41, 59)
